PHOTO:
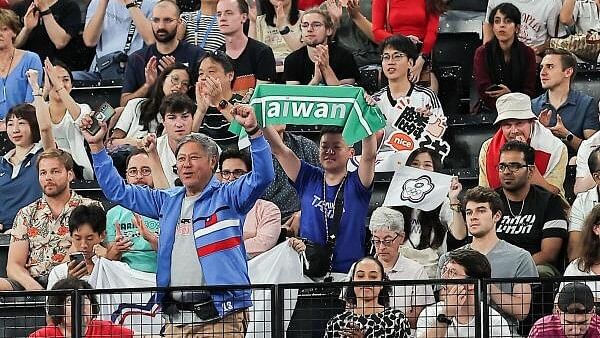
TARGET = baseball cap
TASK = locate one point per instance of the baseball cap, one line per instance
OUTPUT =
(514, 106)
(575, 293)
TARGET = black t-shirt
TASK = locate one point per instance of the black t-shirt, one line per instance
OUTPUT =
(185, 53)
(67, 15)
(542, 216)
(299, 66)
(216, 126)
(256, 62)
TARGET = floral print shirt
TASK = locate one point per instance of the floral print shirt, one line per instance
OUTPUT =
(48, 237)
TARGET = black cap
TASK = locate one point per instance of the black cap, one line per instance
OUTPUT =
(575, 293)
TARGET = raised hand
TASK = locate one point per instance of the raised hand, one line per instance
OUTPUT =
(252, 11)
(334, 8)
(119, 245)
(455, 189)
(280, 15)
(148, 235)
(244, 115)
(165, 62)
(32, 78)
(151, 71)
(95, 141)
(49, 70)
(545, 116)
(32, 18)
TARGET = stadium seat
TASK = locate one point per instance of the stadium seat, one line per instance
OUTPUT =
(468, 5)
(94, 95)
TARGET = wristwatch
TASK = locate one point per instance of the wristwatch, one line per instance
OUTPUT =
(222, 104)
(569, 137)
(46, 12)
(442, 319)
(285, 30)
(130, 5)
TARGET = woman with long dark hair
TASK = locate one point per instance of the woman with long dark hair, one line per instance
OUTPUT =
(140, 116)
(417, 19)
(588, 263)
(426, 231)
(504, 64)
(278, 27)
(368, 313)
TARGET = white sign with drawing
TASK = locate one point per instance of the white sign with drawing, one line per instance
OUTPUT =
(417, 188)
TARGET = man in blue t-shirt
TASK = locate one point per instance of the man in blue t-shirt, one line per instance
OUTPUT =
(335, 182)
(571, 115)
(144, 65)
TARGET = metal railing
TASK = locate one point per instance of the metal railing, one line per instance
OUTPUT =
(293, 310)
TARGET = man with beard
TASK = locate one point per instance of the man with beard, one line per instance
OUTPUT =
(144, 65)
(320, 61)
(40, 237)
(533, 218)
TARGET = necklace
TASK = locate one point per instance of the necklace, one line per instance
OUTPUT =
(510, 209)
(5, 78)
(330, 236)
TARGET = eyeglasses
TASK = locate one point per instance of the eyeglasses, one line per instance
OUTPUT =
(133, 172)
(392, 57)
(237, 173)
(313, 25)
(385, 242)
(175, 81)
(451, 273)
(512, 166)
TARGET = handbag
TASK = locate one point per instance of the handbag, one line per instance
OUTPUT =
(112, 66)
(425, 77)
(198, 301)
(585, 46)
(319, 257)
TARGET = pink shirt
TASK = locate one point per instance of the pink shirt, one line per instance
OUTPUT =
(550, 326)
(262, 227)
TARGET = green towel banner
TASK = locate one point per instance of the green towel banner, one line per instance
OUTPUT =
(341, 106)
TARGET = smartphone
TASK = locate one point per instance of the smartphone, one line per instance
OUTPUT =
(493, 87)
(77, 257)
(102, 114)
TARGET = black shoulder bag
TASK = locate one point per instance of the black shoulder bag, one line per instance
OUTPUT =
(112, 66)
(320, 257)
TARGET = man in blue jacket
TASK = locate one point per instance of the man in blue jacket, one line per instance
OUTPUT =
(200, 241)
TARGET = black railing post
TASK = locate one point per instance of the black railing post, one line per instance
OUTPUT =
(277, 311)
(485, 322)
(478, 304)
(76, 314)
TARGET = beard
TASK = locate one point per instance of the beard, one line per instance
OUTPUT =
(167, 37)
(58, 189)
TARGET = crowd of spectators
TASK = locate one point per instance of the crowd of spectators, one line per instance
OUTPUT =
(196, 200)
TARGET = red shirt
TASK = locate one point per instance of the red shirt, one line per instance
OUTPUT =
(95, 329)
(406, 17)
(549, 326)
(307, 4)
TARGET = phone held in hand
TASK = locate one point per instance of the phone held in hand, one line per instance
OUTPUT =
(493, 88)
(102, 114)
(78, 257)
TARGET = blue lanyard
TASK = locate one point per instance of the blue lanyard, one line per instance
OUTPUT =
(208, 30)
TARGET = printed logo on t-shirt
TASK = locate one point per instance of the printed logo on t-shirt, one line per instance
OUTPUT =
(529, 25)
(184, 227)
(318, 203)
(516, 225)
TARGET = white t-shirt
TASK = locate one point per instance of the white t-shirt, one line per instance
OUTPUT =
(402, 116)
(587, 16)
(167, 159)
(405, 296)
(539, 19)
(129, 121)
(61, 271)
(498, 327)
(573, 270)
(69, 138)
(585, 149)
(583, 205)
